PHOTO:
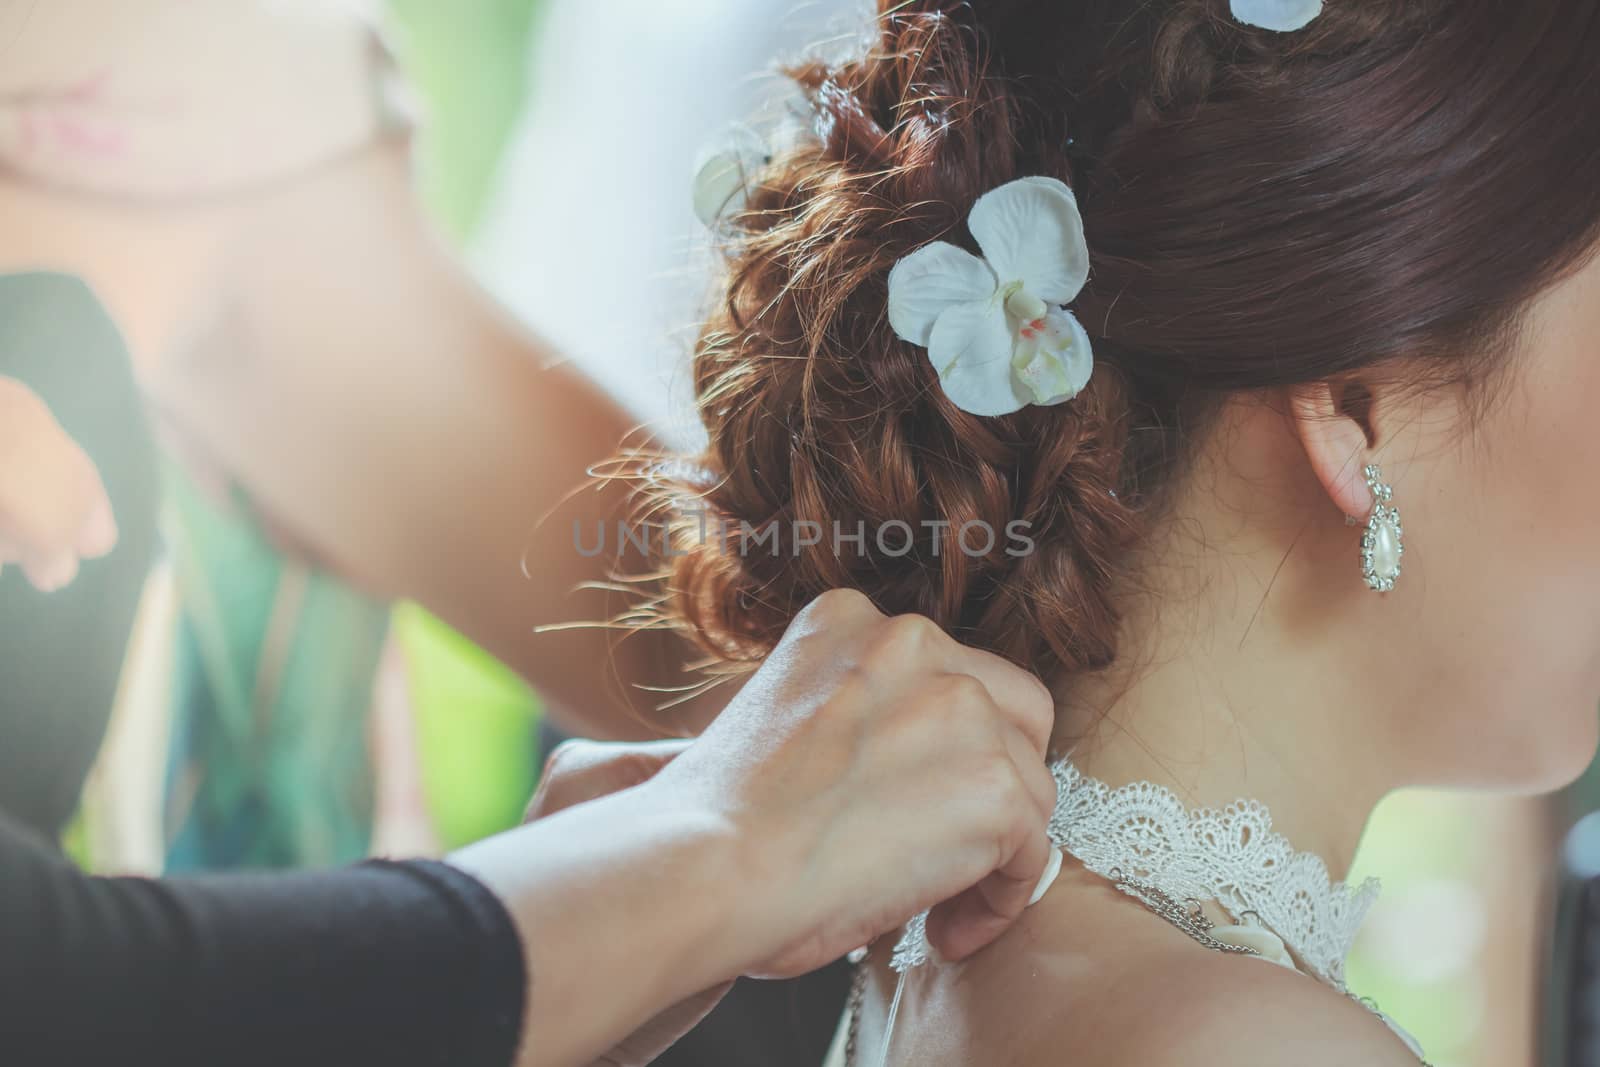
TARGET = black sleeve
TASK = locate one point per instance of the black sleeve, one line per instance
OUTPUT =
(388, 964)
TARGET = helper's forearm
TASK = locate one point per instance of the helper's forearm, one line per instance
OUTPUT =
(631, 906)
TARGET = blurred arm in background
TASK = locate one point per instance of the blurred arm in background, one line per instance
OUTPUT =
(220, 174)
(384, 412)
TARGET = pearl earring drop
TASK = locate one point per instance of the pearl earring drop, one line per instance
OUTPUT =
(1381, 546)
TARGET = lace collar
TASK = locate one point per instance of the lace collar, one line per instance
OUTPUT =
(1231, 856)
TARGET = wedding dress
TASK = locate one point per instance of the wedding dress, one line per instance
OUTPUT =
(1283, 906)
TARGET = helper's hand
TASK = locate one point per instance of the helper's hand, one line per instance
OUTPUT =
(54, 510)
(874, 767)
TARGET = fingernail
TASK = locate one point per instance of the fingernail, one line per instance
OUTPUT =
(99, 535)
(1051, 871)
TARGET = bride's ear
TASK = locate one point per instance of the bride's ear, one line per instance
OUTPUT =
(1333, 420)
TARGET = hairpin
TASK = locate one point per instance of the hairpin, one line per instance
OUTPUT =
(995, 326)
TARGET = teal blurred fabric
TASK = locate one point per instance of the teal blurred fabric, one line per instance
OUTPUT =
(273, 672)
(275, 658)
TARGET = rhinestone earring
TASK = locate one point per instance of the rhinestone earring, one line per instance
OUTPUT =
(1381, 546)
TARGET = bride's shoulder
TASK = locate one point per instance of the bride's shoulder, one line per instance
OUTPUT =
(1202, 1009)
(1090, 977)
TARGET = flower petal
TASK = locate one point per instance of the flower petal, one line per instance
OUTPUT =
(1283, 16)
(971, 349)
(1056, 364)
(722, 178)
(929, 281)
(1030, 231)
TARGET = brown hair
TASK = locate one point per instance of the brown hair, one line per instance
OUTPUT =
(1389, 187)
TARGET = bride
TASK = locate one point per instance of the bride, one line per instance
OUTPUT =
(1198, 297)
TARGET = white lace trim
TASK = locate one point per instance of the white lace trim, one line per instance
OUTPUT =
(1231, 856)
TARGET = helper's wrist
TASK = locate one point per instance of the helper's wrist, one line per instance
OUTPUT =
(624, 906)
(724, 876)
(756, 872)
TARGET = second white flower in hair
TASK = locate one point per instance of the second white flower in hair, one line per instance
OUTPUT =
(722, 178)
(994, 327)
(1283, 16)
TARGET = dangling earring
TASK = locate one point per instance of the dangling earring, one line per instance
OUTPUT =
(1381, 546)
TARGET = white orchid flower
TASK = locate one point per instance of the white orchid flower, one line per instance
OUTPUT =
(1283, 16)
(722, 178)
(994, 327)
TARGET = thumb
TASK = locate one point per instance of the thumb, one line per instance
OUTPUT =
(579, 771)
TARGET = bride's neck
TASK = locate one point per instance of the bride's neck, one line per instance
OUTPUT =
(1235, 682)
(1213, 740)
